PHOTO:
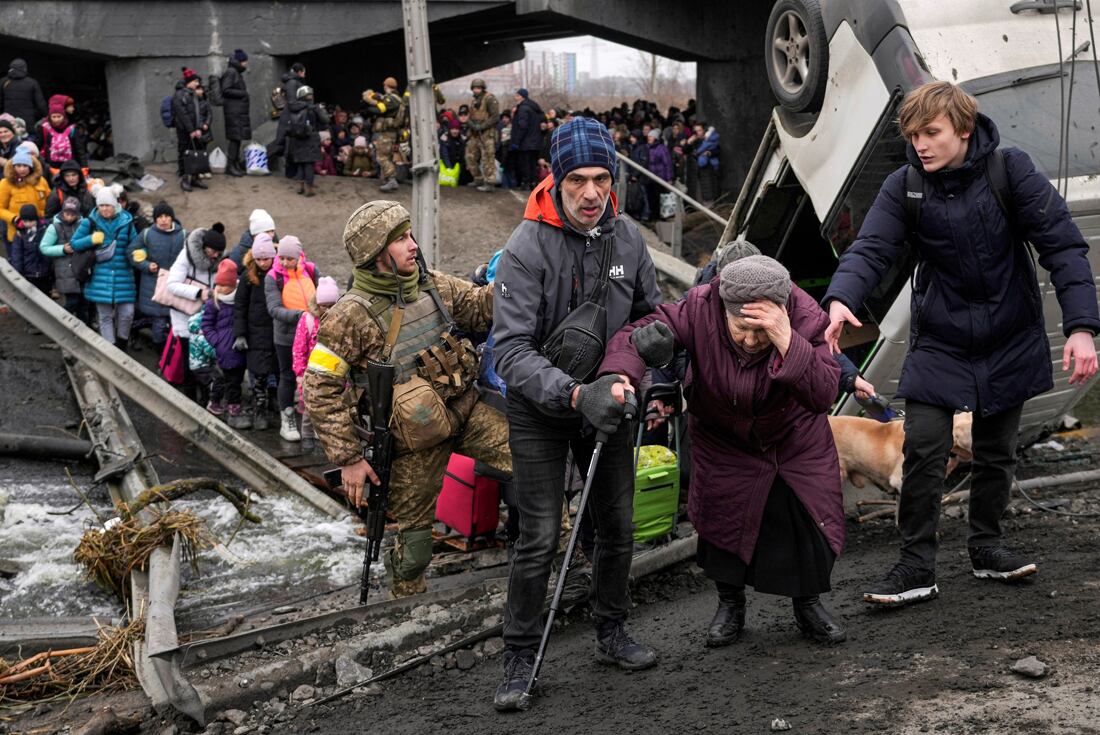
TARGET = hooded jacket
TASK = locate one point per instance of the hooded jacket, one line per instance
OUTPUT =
(535, 284)
(186, 111)
(750, 420)
(25, 255)
(14, 193)
(61, 191)
(112, 280)
(306, 150)
(217, 328)
(238, 123)
(189, 276)
(21, 96)
(977, 340)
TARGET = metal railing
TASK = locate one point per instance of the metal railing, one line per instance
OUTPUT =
(676, 240)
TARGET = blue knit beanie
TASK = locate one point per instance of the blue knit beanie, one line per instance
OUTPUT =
(579, 143)
(22, 157)
(239, 55)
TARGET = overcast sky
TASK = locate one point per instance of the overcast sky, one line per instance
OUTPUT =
(611, 59)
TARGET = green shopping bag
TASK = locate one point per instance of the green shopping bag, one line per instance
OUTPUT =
(449, 176)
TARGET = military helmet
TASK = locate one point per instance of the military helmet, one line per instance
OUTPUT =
(371, 228)
(303, 91)
(478, 82)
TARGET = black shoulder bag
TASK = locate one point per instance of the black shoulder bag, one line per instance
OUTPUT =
(576, 345)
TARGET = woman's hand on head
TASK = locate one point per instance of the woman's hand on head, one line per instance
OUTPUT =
(773, 319)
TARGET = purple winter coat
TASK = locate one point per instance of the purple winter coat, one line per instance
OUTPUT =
(660, 161)
(750, 422)
(217, 328)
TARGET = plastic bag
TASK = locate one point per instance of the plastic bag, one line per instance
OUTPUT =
(218, 161)
(668, 202)
(449, 176)
(255, 160)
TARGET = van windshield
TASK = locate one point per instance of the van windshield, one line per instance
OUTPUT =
(1024, 104)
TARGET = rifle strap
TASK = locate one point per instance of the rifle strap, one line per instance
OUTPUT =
(391, 334)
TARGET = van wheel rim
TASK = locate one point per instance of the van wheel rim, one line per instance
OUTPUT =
(791, 53)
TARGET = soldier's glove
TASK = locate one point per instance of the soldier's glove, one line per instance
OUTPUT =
(655, 344)
(240, 344)
(596, 404)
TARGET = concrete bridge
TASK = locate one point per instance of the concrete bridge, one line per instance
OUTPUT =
(134, 51)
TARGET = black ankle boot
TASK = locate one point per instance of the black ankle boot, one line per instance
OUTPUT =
(815, 622)
(729, 619)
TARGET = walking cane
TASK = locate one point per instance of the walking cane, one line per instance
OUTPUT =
(630, 410)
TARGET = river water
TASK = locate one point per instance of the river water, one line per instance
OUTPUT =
(294, 553)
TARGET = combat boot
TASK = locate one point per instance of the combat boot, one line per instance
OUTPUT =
(485, 187)
(476, 182)
(389, 185)
(615, 645)
(233, 168)
(301, 188)
(729, 619)
(185, 183)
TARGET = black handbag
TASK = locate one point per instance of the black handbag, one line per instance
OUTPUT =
(82, 263)
(196, 161)
(576, 345)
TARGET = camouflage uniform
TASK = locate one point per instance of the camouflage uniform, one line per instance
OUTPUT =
(353, 332)
(384, 109)
(481, 145)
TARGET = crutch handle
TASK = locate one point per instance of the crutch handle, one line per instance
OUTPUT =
(630, 410)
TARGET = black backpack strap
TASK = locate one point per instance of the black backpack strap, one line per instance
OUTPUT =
(603, 283)
(914, 197)
(996, 175)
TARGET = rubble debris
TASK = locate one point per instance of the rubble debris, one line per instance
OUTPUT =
(779, 724)
(1030, 667)
(107, 722)
(107, 666)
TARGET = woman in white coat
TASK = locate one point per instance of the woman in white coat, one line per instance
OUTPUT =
(191, 277)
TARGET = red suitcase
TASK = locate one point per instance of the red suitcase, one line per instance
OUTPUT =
(469, 503)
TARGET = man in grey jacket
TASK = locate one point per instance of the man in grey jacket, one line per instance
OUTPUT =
(549, 267)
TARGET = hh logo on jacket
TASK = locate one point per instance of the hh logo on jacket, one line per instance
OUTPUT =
(617, 271)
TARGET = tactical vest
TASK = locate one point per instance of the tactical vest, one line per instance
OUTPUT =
(386, 122)
(479, 110)
(425, 345)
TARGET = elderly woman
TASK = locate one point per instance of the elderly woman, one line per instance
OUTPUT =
(765, 492)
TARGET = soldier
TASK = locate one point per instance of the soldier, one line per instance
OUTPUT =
(481, 145)
(395, 312)
(386, 110)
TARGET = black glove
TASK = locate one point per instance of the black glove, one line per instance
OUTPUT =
(655, 344)
(596, 404)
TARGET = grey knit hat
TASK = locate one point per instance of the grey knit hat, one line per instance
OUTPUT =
(753, 278)
(735, 251)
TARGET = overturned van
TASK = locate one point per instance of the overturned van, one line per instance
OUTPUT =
(840, 68)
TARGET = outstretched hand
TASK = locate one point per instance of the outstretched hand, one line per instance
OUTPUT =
(1081, 350)
(838, 315)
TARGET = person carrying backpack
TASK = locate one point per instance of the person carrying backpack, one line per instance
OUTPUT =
(977, 341)
(60, 138)
(68, 271)
(303, 138)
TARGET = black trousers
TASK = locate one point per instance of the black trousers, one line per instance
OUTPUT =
(226, 385)
(526, 166)
(539, 446)
(234, 152)
(287, 380)
(927, 445)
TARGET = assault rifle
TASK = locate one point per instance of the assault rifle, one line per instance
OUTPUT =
(378, 451)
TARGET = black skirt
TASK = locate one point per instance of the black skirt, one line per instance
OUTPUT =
(791, 557)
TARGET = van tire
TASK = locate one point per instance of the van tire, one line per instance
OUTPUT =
(796, 54)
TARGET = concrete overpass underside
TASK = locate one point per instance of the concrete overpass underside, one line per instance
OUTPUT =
(131, 53)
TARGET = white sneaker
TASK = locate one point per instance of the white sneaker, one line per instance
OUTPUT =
(289, 430)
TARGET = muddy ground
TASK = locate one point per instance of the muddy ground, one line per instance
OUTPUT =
(943, 666)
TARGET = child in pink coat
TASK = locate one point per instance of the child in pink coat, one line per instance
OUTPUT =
(305, 338)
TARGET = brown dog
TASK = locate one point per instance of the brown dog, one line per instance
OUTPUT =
(872, 450)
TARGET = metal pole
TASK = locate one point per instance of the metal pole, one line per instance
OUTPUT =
(669, 187)
(425, 149)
